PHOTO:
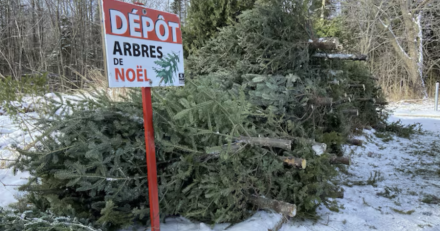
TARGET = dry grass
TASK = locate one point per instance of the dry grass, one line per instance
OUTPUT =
(95, 80)
(100, 82)
(396, 92)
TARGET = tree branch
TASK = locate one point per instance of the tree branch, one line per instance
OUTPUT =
(420, 6)
(393, 38)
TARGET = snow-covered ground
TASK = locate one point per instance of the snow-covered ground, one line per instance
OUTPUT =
(384, 187)
(11, 134)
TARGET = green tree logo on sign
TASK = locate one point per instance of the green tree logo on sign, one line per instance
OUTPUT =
(168, 68)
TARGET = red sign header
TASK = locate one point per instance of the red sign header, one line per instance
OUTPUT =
(135, 21)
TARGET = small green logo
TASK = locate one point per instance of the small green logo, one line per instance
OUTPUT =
(168, 68)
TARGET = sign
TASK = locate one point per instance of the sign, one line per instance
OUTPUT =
(143, 47)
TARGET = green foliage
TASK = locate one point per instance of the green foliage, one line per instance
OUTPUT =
(334, 28)
(334, 141)
(205, 17)
(431, 199)
(89, 155)
(110, 214)
(168, 68)
(94, 167)
(404, 131)
(264, 41)
(35, 220)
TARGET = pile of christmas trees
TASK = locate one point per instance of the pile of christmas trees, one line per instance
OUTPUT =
(259, 125)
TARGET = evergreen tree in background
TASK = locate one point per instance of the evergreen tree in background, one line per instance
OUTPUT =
(205, 17)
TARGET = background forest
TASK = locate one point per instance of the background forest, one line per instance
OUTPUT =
(63, 37)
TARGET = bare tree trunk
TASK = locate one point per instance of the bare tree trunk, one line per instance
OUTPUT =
(340, 160)
(280, 207)
(413, 57)
(268, 142)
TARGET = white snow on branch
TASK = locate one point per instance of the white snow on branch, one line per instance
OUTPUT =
(418, 21)
(388, 27)
(340, 56)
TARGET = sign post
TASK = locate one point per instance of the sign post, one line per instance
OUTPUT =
(153, 194)
(143, 48)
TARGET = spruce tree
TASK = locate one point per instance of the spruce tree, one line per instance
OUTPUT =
(205, 17)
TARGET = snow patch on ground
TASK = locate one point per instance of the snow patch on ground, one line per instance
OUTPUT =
(12, 134)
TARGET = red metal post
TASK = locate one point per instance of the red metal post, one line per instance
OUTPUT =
(151, 159)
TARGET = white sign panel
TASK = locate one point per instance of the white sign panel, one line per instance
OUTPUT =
(143, 46)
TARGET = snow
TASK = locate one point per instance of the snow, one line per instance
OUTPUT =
(406, 171)
(11, 134)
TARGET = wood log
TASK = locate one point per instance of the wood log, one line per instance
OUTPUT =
(321, 101)
(334, 73)
(267, 142)
(280, 207)
(352, 112)
(334, 159)
(326, 44)
(354, 57)
(333, 82)
(357, 86)
(342, 101)
(295, 162)
(355, 142)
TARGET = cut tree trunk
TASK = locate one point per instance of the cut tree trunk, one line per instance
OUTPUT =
(352, 112)
(354, 57)
(321, 101)
(326, 44)
(267, 142)
(355, 142)
(295, 162)
(334, 73)
(280, 207)
(340, 160)
(333, 82)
